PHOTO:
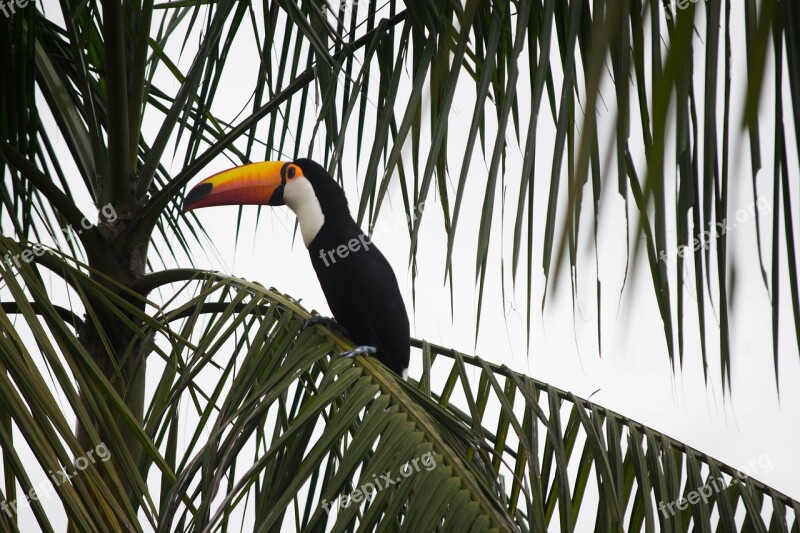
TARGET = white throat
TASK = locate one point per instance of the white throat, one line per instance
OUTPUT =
(300, 197)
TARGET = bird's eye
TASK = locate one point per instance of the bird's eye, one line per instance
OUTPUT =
(290, 172)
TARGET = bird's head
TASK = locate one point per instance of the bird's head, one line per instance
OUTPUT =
(302, 185)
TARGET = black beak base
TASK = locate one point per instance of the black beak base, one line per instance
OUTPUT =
(277, 197)
(195, 195)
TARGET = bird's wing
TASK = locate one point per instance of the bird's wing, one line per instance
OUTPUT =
(364, 297)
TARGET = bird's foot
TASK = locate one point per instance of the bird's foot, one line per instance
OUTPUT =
(328, 322)
(361, 350)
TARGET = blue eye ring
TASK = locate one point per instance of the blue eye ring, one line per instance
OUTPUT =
(290, 173)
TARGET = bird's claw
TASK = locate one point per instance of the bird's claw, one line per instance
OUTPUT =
(361, 350)
(328, 323)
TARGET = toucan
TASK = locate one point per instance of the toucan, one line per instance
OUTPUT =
(359, 283)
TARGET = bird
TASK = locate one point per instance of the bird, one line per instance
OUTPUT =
(358, 282)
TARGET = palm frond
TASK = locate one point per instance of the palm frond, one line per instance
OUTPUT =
(315, 83)
(255, 419)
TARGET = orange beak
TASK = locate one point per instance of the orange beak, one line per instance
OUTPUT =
(253, 184)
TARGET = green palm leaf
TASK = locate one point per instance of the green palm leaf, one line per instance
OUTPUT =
(283, 427)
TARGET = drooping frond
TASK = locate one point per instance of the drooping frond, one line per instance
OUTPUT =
(255, 421)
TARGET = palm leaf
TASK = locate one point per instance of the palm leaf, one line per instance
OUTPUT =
(277, 426)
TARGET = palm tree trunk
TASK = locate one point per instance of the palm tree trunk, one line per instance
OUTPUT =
(110, 341)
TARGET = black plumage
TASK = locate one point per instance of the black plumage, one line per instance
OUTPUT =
(361, 287)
